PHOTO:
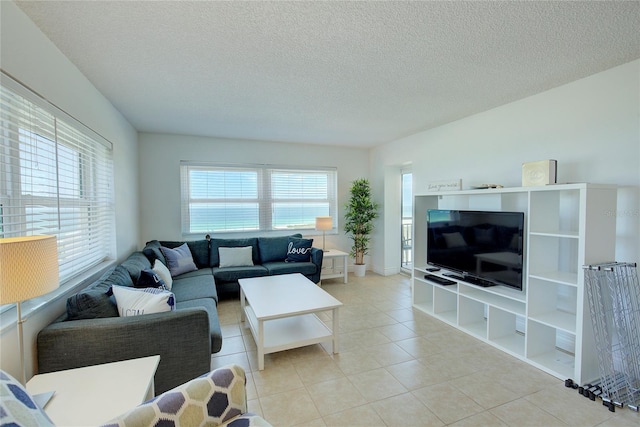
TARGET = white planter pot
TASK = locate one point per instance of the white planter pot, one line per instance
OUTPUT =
(359, 269)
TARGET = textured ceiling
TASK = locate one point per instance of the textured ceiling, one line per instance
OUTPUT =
(346, 73)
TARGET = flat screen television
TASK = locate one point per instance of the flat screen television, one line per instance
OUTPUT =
(480, 247)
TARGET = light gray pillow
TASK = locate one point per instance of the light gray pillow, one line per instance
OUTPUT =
(179, 260)
(235, 257)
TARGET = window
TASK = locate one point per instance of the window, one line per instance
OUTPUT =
(232, 198)
(56, 179)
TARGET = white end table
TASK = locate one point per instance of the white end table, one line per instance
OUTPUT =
(331, 272)
(95, 394)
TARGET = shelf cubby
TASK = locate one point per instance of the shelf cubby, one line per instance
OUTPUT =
(472, 317)
(423, 295)
(544, 349)
(504, 331)
(555, 212)
(554, 258)
(445, 304)
(553, 304)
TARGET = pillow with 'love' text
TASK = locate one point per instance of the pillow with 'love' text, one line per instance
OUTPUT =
(299, 250)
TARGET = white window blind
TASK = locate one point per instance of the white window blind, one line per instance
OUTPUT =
(55, 178)
(233, 198)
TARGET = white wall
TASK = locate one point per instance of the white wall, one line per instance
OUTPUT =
(30, 57)
(590, 126)
(160, 157)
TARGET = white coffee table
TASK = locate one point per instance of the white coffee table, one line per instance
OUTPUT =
(95, 394)
(281, 312)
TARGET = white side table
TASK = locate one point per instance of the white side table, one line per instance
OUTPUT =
(335, 271)
(95, 394)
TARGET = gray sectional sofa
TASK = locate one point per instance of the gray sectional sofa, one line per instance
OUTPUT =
(91, 330)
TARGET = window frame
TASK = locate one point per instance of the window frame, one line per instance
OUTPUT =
(264, 199)
(73, 198)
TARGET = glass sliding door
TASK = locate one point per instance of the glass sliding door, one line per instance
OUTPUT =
(407, 221)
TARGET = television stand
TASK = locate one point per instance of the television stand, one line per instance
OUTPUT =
(546, 324)
(472, 280)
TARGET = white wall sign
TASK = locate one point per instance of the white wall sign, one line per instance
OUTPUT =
(448, 185)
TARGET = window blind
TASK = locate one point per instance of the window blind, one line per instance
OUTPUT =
(55, 178)
(246, 198)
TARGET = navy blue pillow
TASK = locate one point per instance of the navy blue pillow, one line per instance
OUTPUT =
(150, 279)
(299, 250)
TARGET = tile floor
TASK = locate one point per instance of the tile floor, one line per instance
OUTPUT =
(400, 367)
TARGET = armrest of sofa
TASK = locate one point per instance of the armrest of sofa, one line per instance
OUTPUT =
(316, 257)
(181, 338)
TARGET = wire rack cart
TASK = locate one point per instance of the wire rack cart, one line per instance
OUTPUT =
(613, 294)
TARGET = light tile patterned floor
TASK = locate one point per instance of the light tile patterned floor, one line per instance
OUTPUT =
(400, 367)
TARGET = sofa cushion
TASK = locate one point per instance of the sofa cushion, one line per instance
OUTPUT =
(152, 252)
(135, 263)
(299, 250)
(136, 302)
(274, 248)
(281, 267)
(235, 257)
(195, 287)
(214, 323)
(214, 259)
(179, 260)
(232, 274)
(195, 273)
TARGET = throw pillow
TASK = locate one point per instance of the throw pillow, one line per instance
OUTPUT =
(179, 260)
(164, 273)
(235, 257)
(135, 302)
(299, 250)
(150, 279)
(454, 240)
(90, 304)
(17, 407)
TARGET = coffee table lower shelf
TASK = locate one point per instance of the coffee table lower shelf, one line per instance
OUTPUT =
(287, 332)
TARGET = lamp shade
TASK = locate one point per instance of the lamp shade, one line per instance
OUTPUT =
(324, 223)
(28, 267)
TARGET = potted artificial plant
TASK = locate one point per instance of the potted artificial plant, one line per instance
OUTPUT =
(360, 213)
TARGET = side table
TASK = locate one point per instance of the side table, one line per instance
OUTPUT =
(335, 271)
(95, 394)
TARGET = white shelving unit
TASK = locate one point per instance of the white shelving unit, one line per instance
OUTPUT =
(547, 324)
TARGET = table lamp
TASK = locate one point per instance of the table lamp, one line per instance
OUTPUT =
(28, 269)
(324, 223)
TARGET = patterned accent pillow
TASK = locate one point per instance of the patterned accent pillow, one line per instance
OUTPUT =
(213, 399)
(150, 279)
(135, 302)
(179, 260)
(17, 408)
(299, 250)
